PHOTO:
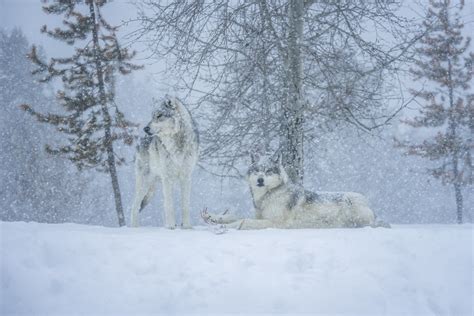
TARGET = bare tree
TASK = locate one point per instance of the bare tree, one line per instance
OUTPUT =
(449, 109)
(279, 68)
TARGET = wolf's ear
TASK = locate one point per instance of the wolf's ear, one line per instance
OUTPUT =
(279, 162)
(283, 173)
(277, 159)
(169, 104)
(254, 157)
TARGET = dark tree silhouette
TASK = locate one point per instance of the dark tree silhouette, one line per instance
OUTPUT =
(89, 117)
(448, 111)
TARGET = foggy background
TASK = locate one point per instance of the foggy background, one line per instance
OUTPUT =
(397, 186)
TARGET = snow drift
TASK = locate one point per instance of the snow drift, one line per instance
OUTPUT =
(74, 269)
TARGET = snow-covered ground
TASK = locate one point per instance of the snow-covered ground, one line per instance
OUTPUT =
(73, 269)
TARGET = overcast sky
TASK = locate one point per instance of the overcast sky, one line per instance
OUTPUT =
(28, 15)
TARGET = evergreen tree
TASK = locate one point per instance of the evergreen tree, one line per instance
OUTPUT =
(448, 109)
(90, 117)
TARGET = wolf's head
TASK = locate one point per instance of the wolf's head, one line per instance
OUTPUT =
(165, 117)
(266, 173)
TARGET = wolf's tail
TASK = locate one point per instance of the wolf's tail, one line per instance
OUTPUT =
(380, 223)
(147, 198)
(365, 215)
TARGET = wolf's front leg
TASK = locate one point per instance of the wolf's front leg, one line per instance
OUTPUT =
(231, 221)
(185, 201)
(170, 220)
(249, 224)
(135, 210)
(223, 218)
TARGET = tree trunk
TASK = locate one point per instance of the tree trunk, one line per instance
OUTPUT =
(459, 202)
(455, 157)
(292, 129)
(107, 121)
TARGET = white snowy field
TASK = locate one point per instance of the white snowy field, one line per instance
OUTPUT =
(69, 269)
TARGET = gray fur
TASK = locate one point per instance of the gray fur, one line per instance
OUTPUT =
(145, 142)
(167, 154)
(281, 204)
(320, 197)
(311, 197)
(294, 199)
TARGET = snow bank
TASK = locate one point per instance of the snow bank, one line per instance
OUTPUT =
(74, 269)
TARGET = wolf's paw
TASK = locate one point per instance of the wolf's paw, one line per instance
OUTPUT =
(215, 219)
(186, 226)
(219, 229)
(171, 227)
(380, 223)
(209, 218)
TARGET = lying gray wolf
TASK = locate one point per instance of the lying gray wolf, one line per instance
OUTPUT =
(280, 204)
(168, 153)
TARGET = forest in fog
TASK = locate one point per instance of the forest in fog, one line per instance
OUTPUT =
(370, 97)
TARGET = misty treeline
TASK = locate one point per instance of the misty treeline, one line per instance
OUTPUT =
(318, 82)
(35, 186)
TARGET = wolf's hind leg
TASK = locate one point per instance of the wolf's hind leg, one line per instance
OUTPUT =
(185, 202)
(140, 193)
(170, 219)
(144, 192)
(149, 194)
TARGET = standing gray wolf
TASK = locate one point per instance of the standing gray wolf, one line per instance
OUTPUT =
(168, 153)
(280, 204)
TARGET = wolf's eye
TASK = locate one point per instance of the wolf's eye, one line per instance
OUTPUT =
(272, 171)
(158, 115)
(254, 169)
(269, 172)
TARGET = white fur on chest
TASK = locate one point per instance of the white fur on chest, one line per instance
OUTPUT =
(167, 160)
(273, 205)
